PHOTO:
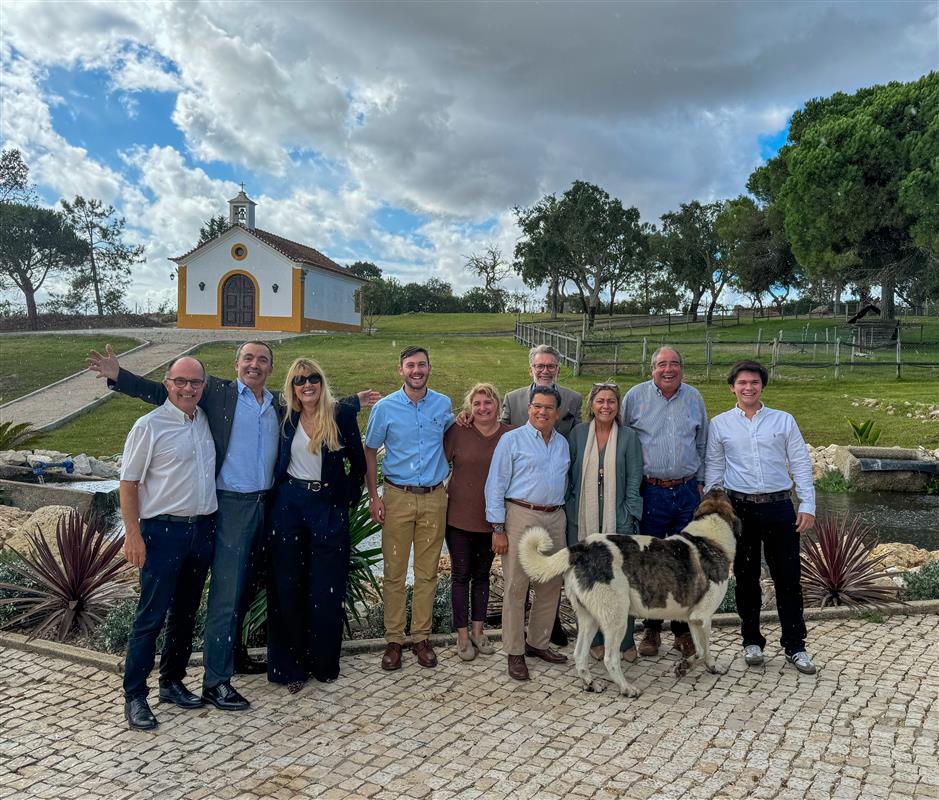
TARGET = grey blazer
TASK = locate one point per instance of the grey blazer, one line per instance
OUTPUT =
(515, 408)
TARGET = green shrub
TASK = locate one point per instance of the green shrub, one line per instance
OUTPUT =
(9, 575)
(112, 634)
(833, 482)
(865, 433)
(923, 584)
(729, 603)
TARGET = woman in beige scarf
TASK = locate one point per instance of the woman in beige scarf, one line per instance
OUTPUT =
(603, 486)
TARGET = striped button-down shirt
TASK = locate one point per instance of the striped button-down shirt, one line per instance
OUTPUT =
(758, 455)
(673, 431)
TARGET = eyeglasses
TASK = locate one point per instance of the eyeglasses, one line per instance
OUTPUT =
(299, 380)
(544, 367)
(195, 383)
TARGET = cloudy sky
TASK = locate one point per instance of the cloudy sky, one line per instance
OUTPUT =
(405, 132)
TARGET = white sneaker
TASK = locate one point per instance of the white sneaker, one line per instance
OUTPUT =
(802, 661)
(753, 655)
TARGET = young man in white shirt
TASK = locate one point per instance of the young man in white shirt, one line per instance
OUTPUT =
(168, 505)
(756, 453)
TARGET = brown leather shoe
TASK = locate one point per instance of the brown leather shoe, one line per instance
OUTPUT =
(549, 655)
(518, 669)
(651, 641)
(426, 656)
(684, 644)
(391, 660)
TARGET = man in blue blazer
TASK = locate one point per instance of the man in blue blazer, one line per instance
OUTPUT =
(244, 418)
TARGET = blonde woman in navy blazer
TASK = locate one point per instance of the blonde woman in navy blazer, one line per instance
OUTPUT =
(309, 542)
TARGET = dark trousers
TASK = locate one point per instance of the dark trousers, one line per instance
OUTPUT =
(239, 521)
(666, 512)
(772, 526)
(178, 556)
(255, 579)
(470, 561)
(308, 551)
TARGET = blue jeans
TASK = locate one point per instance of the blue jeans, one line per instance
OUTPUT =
(666, 512)
(239, 520)
(178, 555)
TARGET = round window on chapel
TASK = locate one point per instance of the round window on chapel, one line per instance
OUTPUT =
(238, 252)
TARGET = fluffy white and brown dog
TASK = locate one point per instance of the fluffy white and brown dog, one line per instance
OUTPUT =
(609, 577)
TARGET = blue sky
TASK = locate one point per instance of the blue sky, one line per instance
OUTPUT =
(378, 131)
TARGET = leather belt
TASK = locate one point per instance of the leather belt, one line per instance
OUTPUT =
(767, 497)
(532, 506)
(248, 497)
(668, 484)
(186, 520)
(414, 489)
(310, 486)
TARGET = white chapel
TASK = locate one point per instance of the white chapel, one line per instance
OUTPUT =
(248, 278)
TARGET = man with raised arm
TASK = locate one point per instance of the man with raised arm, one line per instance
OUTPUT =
(168, 504)
(244, 419)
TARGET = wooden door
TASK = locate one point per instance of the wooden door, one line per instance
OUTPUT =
(238, 302)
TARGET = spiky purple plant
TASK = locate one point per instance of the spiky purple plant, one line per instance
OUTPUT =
(76, 593)
(839, 569)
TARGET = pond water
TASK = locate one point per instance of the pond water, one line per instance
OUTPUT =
(894, 516)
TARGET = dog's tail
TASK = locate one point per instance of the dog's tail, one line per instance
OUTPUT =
(536, 542)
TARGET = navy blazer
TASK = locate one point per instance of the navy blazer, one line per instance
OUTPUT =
(219, 398)
(346, 488)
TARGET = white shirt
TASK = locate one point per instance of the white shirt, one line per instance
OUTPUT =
(304, 465)
(173, 458)
(759, 455)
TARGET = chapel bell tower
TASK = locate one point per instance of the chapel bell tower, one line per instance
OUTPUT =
(241, 210)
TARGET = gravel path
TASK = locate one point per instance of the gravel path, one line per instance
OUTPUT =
(56, 404)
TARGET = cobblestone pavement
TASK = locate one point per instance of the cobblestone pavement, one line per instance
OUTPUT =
(865, 727)
(51, 404)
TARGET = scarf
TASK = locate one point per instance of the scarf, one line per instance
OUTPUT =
(588, 515)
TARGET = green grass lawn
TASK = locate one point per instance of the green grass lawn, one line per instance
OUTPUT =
(353, 362)
(28, 363)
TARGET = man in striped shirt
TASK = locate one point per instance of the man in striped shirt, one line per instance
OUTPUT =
(672, 424)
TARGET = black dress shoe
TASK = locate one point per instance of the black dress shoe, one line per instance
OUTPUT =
(245, 665)
(138, 714)
(176, 692)
(224, 697)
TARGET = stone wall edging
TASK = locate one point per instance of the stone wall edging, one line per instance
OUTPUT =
(108, 662)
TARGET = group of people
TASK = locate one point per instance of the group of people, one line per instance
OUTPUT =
(258, 486)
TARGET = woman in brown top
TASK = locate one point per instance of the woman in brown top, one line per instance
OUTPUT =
(469, 538)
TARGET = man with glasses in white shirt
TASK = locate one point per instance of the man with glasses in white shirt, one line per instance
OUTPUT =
(168, 506)
(756, 453)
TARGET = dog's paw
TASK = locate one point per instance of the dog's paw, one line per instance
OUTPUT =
(714, 669)
(682, 667)
(594, 686)
(630, 691)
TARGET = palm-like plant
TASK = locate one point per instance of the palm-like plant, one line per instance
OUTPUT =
(76, 590)
(13, 437)
(839, 568)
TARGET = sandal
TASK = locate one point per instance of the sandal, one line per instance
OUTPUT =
(295, 686)
(482, 644)
(465, 650)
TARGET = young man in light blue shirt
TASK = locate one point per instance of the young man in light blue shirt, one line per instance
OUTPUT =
(412, 510)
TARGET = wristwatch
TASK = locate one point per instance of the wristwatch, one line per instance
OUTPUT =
(498, 527)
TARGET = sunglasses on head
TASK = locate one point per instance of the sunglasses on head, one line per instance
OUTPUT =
(606, 386)
(299, 380)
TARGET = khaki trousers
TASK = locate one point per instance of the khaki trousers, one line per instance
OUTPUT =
(418, 520)
(544, 605)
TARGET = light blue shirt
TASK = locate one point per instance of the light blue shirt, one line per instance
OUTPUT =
(525, 467)
(252, 447)
(412, 434)
(673, 432)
